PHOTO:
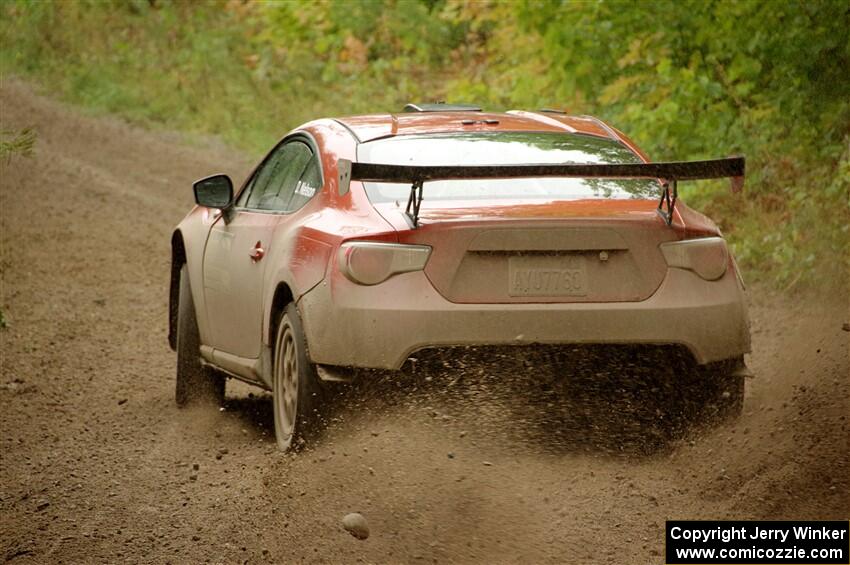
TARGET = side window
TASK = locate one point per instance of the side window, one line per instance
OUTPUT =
(297, 156)
(257, 187)
(274, 184)
(309, 184)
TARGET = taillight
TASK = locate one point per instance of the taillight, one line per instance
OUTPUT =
(708, 257)
(367, 262)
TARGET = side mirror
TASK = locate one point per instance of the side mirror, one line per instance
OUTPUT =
(214, 192)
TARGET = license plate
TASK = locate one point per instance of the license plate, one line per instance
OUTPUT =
(547, 276)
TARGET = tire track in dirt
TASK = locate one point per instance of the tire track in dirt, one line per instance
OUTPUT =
(97, 462)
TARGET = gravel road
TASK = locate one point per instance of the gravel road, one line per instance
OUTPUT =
(99, 466)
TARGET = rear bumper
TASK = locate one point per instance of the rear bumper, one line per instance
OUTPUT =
(381, 326)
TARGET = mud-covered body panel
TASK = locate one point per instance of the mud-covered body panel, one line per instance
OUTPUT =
(476, 262)
(361, 326)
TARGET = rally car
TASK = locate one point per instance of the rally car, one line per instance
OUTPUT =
(358, 242)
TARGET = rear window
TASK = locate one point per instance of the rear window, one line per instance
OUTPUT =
(504, 148)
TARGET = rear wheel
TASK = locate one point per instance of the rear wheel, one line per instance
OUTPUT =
(297, 393)
(195, 383)
(711, 393)
(727, 393)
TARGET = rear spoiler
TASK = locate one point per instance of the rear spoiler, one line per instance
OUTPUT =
(667, 173)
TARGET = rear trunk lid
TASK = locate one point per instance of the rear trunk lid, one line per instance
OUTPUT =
(555, 252)
(526, 239)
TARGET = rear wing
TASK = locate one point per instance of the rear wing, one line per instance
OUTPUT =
(667, 173)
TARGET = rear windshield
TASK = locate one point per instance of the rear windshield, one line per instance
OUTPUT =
(504, 148)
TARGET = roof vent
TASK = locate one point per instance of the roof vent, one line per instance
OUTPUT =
(552, 111)
(441, 107)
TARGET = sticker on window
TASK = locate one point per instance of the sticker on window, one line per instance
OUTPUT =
(304, 189)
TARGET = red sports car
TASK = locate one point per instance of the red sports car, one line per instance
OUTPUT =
(359, 241)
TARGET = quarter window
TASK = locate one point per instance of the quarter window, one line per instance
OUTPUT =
(308, 185)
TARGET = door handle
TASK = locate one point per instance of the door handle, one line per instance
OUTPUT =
(257, 252)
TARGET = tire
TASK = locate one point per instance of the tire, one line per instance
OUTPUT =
(195, 383)
(729, 395)
(712, 393)
(296, 390)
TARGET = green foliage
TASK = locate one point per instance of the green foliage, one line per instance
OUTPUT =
(16, 143)
(685, 78)
(690, 79)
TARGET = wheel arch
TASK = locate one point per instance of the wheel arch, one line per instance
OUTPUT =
(283, 296)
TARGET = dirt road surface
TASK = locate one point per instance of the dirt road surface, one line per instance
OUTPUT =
(99, 466)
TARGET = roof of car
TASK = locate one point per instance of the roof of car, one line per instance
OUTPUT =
(376, 126)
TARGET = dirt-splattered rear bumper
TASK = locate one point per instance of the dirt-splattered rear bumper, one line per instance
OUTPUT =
(381, 326)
